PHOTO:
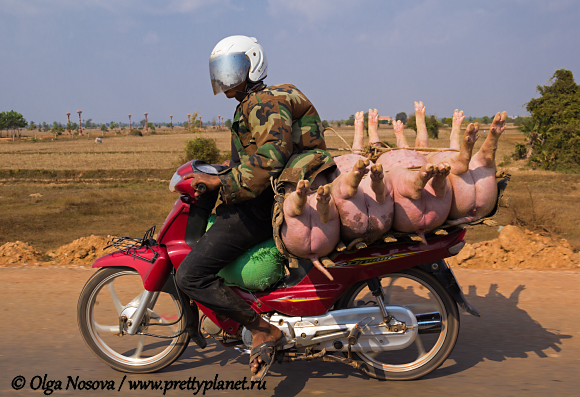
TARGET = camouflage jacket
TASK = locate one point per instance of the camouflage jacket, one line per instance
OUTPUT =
(275, 129)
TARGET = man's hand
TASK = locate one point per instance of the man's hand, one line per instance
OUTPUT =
(211, 181)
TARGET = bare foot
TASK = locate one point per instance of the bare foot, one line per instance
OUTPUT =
(440, 179)
(378, 182)
(422, 136)
(374, 127)
(359, 126)
(261, 333)
(458, 118)
(398, 128)
(297, 199)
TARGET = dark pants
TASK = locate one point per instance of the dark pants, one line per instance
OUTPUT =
(236, 229)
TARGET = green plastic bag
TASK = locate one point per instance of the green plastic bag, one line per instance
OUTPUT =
(256, 269)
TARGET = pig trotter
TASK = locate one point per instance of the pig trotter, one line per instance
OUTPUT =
(458, 118)
(295, 202)
(378, 182)
(460, 162)
(399, 128)
(354, 177)
(440, 179)
(323, 203)
(374, 128)
(359, 126)
(422, 135)
(490, 145)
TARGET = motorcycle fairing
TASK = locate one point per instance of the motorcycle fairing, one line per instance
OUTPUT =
(153, 274)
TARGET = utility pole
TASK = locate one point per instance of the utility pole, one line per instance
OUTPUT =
(145, 122)
(129, 123)
(171, 121)
(68, 124)
(80, 128)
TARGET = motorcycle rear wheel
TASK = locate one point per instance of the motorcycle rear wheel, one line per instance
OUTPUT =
(421, 293)
(105, 295)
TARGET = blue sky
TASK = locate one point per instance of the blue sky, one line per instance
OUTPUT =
(110, 57)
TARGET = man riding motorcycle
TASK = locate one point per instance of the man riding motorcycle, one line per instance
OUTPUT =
(272, 127)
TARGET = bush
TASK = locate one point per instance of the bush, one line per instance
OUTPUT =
(136, 132)
(203, 149)
(553, 131)
(520, 152)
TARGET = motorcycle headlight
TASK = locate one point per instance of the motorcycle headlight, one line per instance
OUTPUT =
(175, 179)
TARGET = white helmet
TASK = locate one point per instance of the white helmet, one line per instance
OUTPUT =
(235, 58)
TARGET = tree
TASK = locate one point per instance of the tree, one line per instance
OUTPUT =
(325, 123)
(104, 127)
(193, 122)
(31, 126)
(228, 123)
(431, 122)
(12, 121)
(151, 128)
(554, 129)
(401, 116)
(113, 124)
(338, 123)
(57, 128)
(350, 120)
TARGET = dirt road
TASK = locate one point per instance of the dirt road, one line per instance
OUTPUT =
(526, 343)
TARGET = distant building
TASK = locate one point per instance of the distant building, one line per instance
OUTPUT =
(385, 120)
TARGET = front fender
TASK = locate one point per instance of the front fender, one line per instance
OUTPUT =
(152, 264)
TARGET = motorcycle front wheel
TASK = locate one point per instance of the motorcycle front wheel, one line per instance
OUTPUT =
(109, 292)
(421, 293)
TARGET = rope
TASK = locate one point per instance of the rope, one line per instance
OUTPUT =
(338, 135)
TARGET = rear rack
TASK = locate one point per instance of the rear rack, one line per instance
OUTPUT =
(129, 245)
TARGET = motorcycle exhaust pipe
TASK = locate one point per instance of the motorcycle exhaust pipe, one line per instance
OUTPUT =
(429, 323)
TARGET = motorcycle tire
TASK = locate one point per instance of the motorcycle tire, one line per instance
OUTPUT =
(105, 295)
(431, 349)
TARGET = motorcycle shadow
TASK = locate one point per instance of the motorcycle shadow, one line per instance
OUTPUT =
(504, 331)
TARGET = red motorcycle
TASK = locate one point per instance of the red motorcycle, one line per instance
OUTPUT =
(391, 310)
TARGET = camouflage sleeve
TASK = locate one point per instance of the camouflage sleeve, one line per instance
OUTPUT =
(268, 142)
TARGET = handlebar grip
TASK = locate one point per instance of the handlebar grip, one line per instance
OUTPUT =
(201, 188)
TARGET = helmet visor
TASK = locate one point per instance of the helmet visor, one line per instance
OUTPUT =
(227, 71)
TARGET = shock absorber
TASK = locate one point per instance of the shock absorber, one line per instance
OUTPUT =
(376, 289)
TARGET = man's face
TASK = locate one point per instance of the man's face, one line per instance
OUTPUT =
(231, 93)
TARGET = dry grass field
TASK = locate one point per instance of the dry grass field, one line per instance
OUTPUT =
(54, 191)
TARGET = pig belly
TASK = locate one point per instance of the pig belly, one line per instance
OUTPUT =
(380, 215)
(424, 214)
(344, 164)
(463, 203)
(354, 219)
(401, 158)
(305, 235)
(485, 189)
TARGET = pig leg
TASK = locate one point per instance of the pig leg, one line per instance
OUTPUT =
(324, 207)
(413, 182)
(422, 136)
(374, 128)
(378, 182)
(459, 162)
(295, 201)
(486, 154)
(359, 126)
(458, 118)
(440, 179)
(353, 178)
(398, 128)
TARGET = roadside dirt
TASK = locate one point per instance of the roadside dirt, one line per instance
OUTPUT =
(515, 248)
